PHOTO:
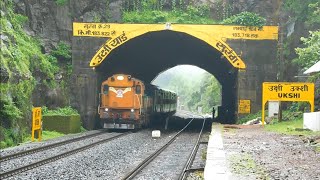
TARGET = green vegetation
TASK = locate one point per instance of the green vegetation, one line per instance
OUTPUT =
(66, 111)
(21, 57)
(26, 66)
(46, 135)
(291, 127)
(180, 12)
(208, 95)
(152, 12)
(292, 122)
(307, 11)
(61, 2)
(249, 117)
(309, 55)
(245, 19)
(51, 135)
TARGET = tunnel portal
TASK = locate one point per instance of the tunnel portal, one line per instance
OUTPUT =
(146, 56)
(146, 50)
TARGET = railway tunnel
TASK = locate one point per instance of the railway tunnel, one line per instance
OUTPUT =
(146, 56)
(146, 50)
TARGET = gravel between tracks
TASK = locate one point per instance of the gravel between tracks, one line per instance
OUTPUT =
(35, 157)
(28, 145)
(105, 161)
(257, 154)
(169, 164)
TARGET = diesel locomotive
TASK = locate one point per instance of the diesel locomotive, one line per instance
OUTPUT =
(128, 103)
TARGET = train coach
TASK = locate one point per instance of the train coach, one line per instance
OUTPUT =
(127, 103)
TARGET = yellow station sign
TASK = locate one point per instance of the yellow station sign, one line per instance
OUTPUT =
(36, 123)
(214, 35)
(244, 106)
(287, 91)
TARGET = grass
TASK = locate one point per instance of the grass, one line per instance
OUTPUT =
(249, 117)
(45, 136)
(290, 127)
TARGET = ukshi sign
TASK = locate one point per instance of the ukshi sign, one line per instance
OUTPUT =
(287, 91)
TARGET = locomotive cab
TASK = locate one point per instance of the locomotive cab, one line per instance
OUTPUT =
(121, 101)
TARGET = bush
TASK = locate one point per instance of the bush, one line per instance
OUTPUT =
(61, 2)
(63, 51)
(249, 117)
(246, 19)
(152, 14)
(66, 111)
(3, 144)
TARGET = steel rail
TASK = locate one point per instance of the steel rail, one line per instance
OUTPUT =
(187, 167)
(43, 148)
(145, 162)
(54, 158)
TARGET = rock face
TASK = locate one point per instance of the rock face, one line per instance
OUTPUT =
(53, 23)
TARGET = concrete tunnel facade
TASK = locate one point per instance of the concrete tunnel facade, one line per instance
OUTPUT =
(146, 56)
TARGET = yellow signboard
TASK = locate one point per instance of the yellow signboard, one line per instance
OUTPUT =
(36, 123)
(287, 91)
(218, 31)
(244, 106)
(214, 35)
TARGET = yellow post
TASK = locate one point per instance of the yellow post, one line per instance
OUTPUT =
(312, 106)
(262, 113)
(32, 134)
(36, 123)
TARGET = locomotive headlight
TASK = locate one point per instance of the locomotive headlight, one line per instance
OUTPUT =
(120, 78)
(106, 109)
(132, 110)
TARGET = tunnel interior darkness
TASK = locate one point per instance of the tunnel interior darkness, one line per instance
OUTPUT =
(146, 56)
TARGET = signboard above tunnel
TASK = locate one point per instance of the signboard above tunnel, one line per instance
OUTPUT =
(214, 35)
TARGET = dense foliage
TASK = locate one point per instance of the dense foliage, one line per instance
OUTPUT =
(24, 66)
(308, 56)
(61, 2)
(65, 111)
(305, 11)
(153, 12)
(310, 53)
(245, 19)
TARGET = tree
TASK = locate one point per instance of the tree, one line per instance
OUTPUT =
(310, 54)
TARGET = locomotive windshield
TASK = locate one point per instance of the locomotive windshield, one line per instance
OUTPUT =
(105, 89)
(138, 89)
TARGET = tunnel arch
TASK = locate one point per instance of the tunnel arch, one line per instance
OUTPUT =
(115, 42)
(145, 56)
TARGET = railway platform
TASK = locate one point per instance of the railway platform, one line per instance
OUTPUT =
(216, 163)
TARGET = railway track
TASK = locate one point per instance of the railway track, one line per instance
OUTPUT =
(54, 158)
(150, 158)
(43, 148)
(187, 168)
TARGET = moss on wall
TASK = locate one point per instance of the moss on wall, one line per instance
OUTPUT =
(59, 123)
